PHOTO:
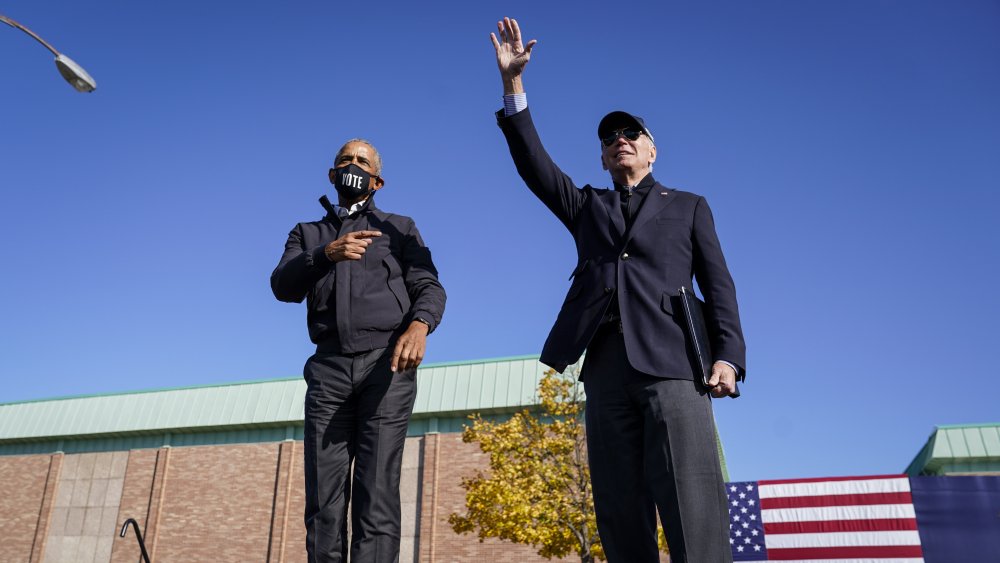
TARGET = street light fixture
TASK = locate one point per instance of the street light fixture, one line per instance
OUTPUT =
(72, 72)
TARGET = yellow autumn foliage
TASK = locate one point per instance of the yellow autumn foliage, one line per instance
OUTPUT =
(537, 490)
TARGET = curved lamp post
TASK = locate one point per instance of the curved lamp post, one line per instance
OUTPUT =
(72, 72)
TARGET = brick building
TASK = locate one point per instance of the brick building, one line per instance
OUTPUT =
(214, 473)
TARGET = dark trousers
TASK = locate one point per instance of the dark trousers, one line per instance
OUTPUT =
(651, 445)
(356, 410)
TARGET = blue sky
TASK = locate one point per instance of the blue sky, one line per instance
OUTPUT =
(850, 151)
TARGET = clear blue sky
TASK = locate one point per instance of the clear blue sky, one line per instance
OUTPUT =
(850, 151)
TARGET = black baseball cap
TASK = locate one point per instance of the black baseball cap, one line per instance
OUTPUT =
(618, 119)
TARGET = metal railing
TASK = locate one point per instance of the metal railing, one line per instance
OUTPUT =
(138, 537)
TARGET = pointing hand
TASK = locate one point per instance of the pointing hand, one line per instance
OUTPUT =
(351, 246)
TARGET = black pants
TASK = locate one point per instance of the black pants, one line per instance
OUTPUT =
(356, 410)
(651, 445)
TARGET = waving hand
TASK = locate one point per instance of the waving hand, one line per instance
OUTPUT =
(512, 55)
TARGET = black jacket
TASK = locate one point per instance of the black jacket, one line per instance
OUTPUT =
(671, 240)
(360, 305)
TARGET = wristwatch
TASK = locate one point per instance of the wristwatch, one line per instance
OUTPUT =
(423, 320)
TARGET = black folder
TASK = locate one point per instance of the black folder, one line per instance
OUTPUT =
(694, 318)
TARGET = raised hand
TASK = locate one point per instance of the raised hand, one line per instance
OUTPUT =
(512, 55)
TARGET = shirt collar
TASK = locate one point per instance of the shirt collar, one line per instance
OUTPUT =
(343, 212)
(646, 182)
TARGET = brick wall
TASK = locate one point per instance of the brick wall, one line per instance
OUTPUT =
(219, 503)
(446, 460)
(295, 529)
(135, 503)
(25, 509)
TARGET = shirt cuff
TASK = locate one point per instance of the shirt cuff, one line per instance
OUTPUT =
(736, 370)
(514, 103)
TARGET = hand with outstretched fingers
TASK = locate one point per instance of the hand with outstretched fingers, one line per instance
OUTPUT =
(512, 55)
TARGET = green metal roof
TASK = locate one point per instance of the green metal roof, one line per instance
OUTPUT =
(256, 411)
(967, 448)
(494, 385)
(484, 386)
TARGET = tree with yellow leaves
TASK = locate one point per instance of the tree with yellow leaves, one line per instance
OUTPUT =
(537, 491)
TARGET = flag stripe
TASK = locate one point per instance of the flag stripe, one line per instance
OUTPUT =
(836, 500)
(894, 524)
(845, 487)
(828, 479)
(842, 539)
(838, 553)
(871, 512)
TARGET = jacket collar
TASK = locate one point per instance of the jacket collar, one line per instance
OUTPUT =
(331, 213)
(646, 182)
(657, 197)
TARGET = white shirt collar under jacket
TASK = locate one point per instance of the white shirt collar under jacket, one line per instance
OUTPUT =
(344, 212)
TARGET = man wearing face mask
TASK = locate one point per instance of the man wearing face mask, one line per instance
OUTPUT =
(650, 429)
(373, 297)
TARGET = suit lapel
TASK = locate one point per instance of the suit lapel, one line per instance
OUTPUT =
(612, 204)
(656, 200)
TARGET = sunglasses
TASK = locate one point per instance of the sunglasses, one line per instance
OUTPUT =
(630, 134)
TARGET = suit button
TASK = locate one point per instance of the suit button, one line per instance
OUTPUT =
(625, 256)
(608, 289)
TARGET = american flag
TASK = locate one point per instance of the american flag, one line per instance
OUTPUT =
(836, 519)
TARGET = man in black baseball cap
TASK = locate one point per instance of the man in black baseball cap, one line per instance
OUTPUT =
(650, 428)
(621, 120)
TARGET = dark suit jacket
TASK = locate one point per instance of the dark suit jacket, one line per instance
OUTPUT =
(360, 305)
(671, 240)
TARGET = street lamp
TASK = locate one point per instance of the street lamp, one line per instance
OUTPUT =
(72, 72)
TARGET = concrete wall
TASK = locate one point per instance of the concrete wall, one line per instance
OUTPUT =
(84, 517)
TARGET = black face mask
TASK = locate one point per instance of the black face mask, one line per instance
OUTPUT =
(352, 182)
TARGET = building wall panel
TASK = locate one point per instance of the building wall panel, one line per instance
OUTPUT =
(84, 517)
(22, 490)
(217, 503)
(446, 461)
(137, 485)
